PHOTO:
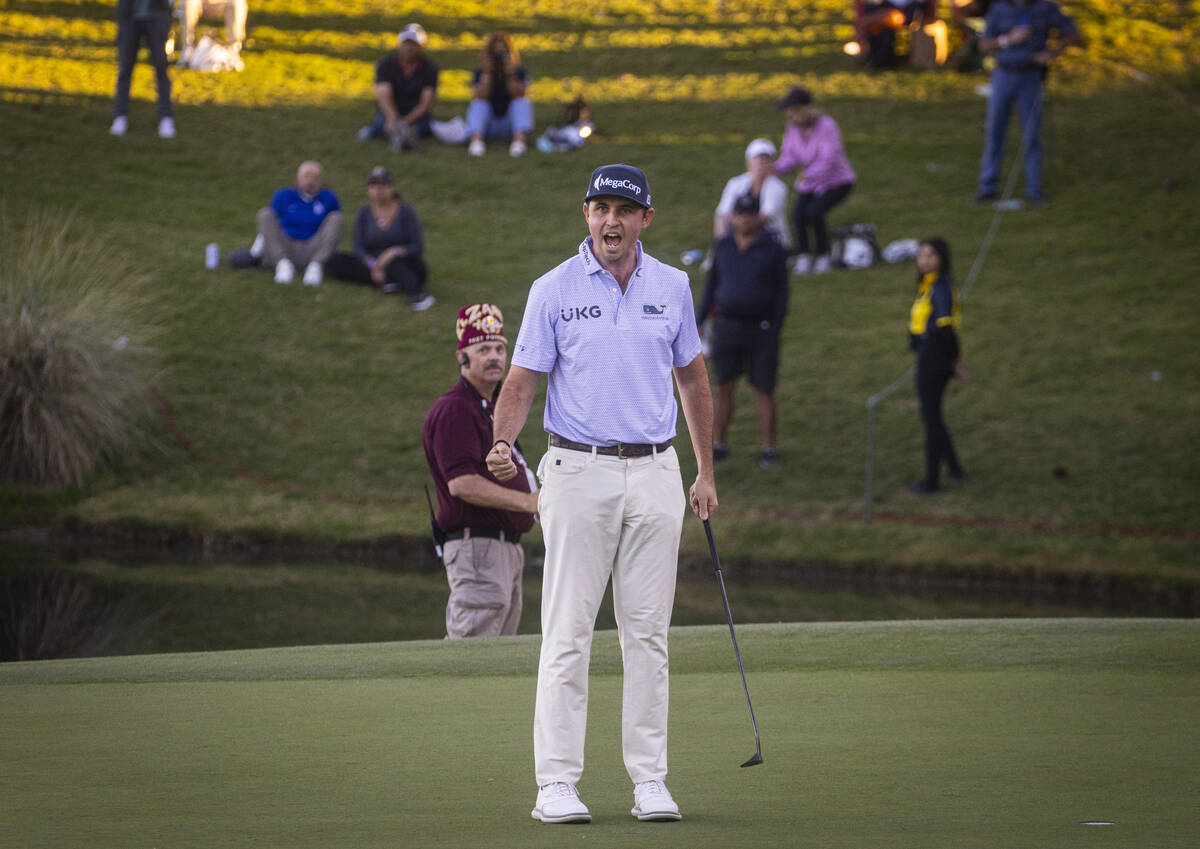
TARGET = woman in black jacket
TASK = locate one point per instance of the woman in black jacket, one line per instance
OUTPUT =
(388, 245)
(932, 335)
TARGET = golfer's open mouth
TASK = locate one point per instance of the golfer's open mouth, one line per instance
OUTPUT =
(612, 240)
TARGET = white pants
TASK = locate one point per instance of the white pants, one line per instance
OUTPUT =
(601, 517)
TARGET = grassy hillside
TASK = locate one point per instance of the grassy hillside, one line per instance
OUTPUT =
(302, 407)
(993, 734)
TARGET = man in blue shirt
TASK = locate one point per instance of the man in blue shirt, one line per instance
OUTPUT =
(747, 290)
(1018, 35)
(610, 327)
(301, 228)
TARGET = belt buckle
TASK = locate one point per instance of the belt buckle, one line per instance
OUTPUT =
(620, 451)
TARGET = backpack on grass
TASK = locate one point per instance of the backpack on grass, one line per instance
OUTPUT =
(854, 246)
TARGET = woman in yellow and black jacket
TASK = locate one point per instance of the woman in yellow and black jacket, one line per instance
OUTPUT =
(932, 334)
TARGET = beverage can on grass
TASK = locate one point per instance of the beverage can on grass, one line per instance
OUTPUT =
(212, 255)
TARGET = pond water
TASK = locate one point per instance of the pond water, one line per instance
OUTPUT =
(139, 603)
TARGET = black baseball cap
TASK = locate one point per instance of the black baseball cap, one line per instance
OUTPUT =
(747, 203)
(379, 174)
(621, 181)
(798, 96)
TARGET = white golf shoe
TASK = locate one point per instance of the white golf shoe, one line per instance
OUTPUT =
(166, 128)
(560, 802)
(652, 802)
(120, 126)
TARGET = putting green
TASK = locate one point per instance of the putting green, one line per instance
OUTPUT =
(955, 734)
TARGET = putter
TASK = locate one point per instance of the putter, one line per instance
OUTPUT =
(756, 758)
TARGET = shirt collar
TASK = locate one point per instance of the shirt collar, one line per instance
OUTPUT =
(592, 265)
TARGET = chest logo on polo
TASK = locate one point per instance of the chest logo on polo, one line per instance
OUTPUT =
(572, 313)
(651, 309)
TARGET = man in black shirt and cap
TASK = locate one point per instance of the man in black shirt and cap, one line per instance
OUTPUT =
(748, 292)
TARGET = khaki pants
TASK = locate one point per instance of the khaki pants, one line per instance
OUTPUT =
(278, 245)
(485, 587)
(606, 517)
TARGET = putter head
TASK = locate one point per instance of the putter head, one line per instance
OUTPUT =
(755, 760)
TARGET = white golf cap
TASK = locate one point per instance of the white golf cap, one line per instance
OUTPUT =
(759, 147)
(414, 32)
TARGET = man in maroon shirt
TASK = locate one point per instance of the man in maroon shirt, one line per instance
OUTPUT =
(483, 518)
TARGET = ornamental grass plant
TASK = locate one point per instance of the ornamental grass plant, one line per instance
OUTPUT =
(76, 354)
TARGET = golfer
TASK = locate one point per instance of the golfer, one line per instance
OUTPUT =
(609, 327)
(483, 520)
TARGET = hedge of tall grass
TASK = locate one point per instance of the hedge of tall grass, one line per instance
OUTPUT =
(75, 352)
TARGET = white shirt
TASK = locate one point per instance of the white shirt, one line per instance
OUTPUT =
(772, 203)
(609, 354)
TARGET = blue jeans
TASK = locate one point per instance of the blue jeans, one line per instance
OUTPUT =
(1025, 88)
(482, 121)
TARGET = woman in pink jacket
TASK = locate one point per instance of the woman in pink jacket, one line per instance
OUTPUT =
(813, 141)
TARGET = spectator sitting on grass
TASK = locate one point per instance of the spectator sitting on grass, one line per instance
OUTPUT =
(300, 228)
(387, 244)
(501, 109)
(405, 88)
(813, 141)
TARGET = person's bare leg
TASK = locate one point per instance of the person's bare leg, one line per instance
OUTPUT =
(723, 411)
(764, 403)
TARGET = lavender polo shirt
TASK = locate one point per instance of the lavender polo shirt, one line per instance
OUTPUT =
(609, 355)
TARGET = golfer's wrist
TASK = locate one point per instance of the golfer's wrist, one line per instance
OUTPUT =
(503, 442)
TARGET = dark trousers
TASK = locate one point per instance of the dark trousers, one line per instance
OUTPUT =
(406, 272)
(810, 209)
(932, 380)
(424, 126)
(130, 33)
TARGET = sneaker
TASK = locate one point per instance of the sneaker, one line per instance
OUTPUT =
(166, 128)
(769, 458)
(823, 264)
(720, 452)
(365, 134)
(652, 802)
(560, 802)
(803, 264)
(422, 303)
(476, 147)
(256, 249)
(313, 274)
(119, 126)
(517, 148)
(285, 272)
